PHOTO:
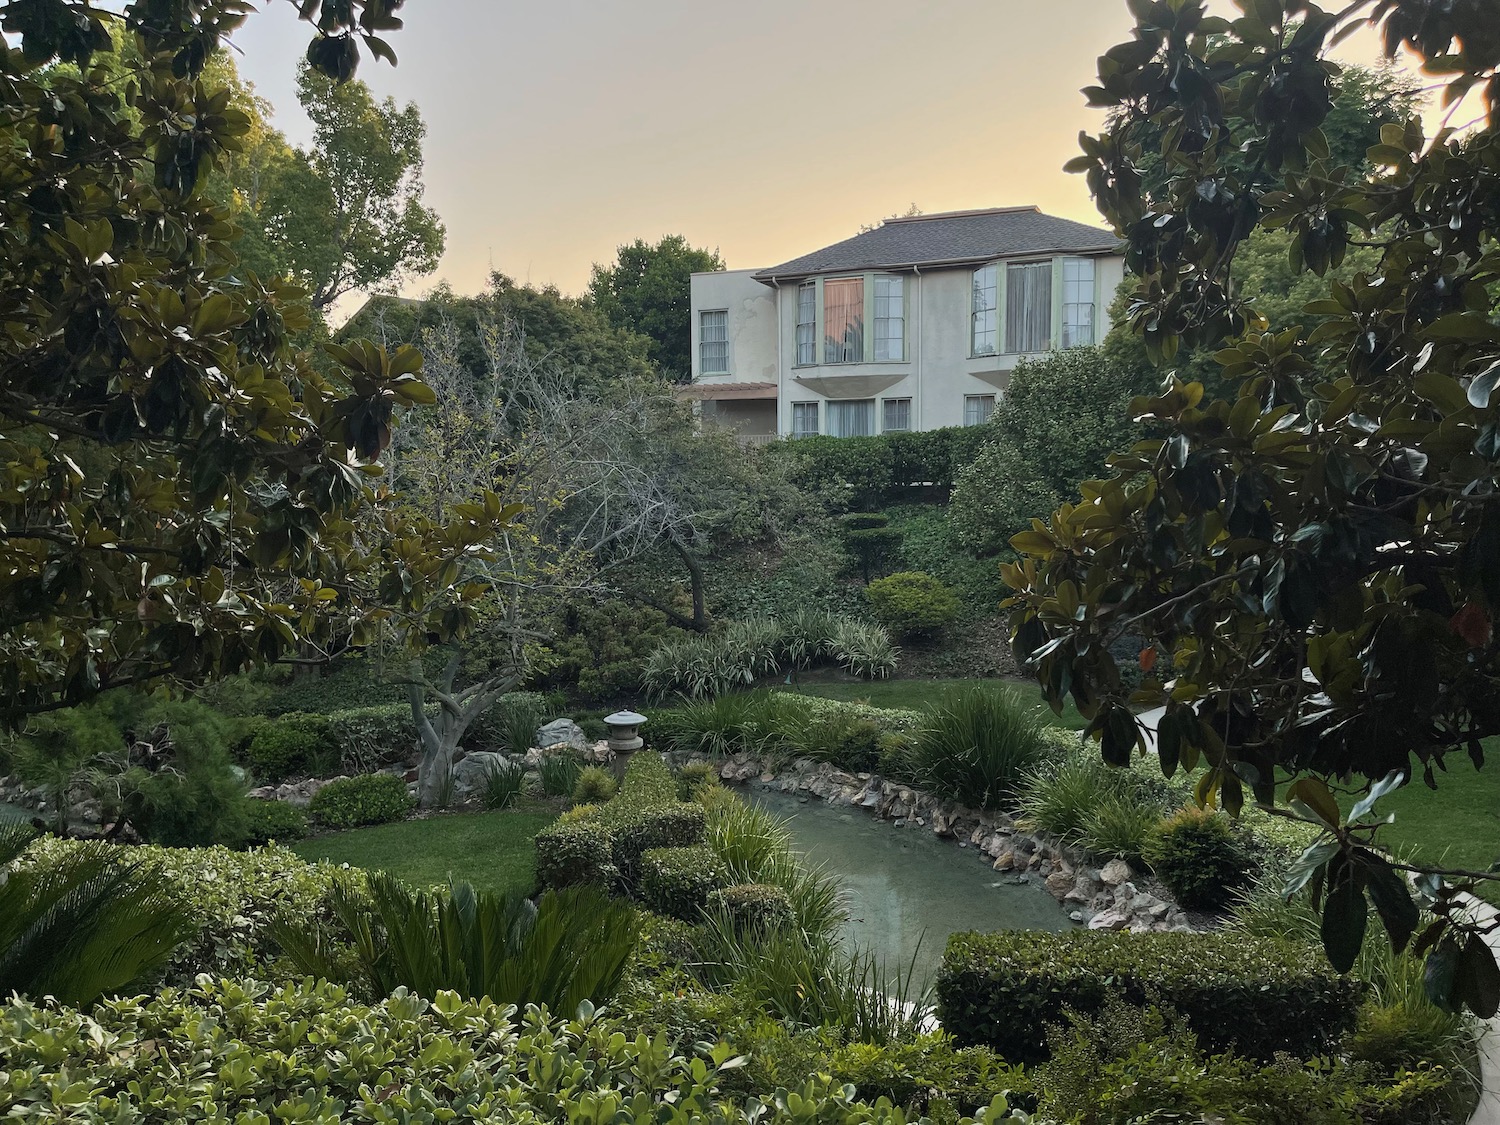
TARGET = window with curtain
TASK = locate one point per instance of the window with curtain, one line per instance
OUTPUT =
(895, 415)
(804, 419)
(977, 409)
(713, 342)
(890, 318)
(1028, 306)
(1078, 302)
(985, 311)
(807, 324)
(844, 320)
(851, 417)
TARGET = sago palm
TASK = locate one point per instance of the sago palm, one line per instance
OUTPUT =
(569, 947)
(86, 926)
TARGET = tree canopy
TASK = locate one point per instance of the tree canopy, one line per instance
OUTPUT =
(1314, 560)
(179, 483)
(648, 291)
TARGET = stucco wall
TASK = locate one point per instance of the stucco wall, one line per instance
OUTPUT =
(752, 324)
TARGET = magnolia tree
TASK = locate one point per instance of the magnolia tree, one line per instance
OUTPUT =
(1314, 563)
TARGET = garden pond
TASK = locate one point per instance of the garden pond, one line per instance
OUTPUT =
(907, 889)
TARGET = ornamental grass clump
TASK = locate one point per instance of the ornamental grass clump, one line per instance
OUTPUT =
(501, 784)
(977, 745)
(559, 774)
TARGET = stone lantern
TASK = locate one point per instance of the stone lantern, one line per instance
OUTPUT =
(624, 737)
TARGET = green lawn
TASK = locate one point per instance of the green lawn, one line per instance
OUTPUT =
(492, 850)
(918, 695)
(1456, 825)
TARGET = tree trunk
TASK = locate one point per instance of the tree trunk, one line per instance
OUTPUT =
(695, 576)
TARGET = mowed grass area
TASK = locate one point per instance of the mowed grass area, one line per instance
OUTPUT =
(492, 850)
(920, 695)
(1455, 825)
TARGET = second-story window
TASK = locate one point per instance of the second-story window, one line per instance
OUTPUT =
(984, 314)
(807, 322)
(844, 320)
(1077, 302)
(890, 318)
(1028, 306)
(713, 342)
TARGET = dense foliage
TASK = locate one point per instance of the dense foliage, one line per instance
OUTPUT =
(647, 290)
(870, 473)
(1312, 563)
(371, 798)
(910, 603)
(1005, 989)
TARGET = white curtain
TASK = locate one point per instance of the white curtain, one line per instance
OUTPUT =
(851, 417)
(1028, 307)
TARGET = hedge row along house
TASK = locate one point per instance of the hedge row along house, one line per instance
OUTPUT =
(914, 325)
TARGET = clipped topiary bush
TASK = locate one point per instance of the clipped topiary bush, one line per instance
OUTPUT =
(694, 776)
(1198, 857)
(1004, 989)
(753, 906)
(266, 821)
(372, 798)
(911, 603)
(677, 881)
(371, 737)
(645, 814)
(297, 744)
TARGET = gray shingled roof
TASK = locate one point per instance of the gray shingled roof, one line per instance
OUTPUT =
(953, 238)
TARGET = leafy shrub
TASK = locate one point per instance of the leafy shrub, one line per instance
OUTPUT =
(1124, 1065)
(568, 947)
(231, 898)
(677, 881)
(601, 649)
(273, 820)
(297, 744)
(595, 730)
(371, 737)
(375, 798)
(559, 773)
(502, 784)
(198, 800)
(1004, 989)
(595, 785)
(752, 906)
(451, 1053)
(885, 469)
(978, 744)
(1197, 856)
(910, 603)
(842, 738)
(575, 852)
(895, 753)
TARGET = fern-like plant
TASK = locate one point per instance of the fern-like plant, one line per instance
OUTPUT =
(85, 927)
(571, 946)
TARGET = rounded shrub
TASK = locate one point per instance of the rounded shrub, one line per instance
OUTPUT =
(1196, 854)
(753, 906)
(372, 798)
(694, 776)
(594, 786)
(294, 745)
(266, 821)
(911, 603)
(677, 881)
(894, 751)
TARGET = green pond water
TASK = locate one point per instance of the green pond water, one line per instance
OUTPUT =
(906, 889)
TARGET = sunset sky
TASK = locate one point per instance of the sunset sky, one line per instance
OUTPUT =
(559, 130)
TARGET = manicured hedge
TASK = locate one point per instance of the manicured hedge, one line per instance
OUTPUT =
(885, 469)
(753, 906)
(645, 814)
(677, 881)
(1253, 995)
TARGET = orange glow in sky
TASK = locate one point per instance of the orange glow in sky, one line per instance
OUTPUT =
(559, 130)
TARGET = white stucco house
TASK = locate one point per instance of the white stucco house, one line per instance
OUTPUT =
(914, 325)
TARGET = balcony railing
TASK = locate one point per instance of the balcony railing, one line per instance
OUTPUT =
(757, 439)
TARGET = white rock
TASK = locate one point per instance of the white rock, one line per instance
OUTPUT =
(1115, 872)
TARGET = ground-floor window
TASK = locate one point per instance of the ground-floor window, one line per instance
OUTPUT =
(977, 409)
(804, 419)
(895, 415)
(851, 417)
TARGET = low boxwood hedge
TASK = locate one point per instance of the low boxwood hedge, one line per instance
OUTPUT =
(645, 814)
(753, 906)
(1257, 996)
(677, 881)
